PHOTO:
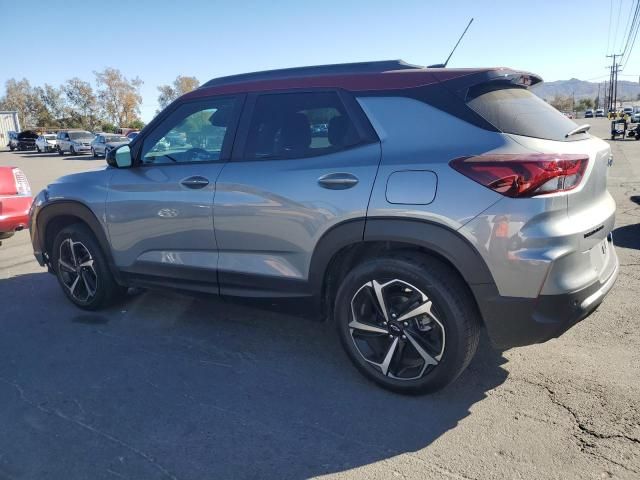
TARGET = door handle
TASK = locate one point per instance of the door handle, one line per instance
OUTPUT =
(338, 181)
(195, 182)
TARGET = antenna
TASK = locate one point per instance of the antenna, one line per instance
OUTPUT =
(444, 65)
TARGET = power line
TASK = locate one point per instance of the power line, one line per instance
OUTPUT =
(629, 27)
(631, 34)
(626, 28)
(609, 32)
(615, 36)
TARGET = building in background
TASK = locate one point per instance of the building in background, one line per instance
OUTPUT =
(8, 123)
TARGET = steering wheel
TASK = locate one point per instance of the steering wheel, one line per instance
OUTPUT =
(192, 153)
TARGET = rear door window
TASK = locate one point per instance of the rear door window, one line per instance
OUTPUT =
(298, 125)
(520, 112)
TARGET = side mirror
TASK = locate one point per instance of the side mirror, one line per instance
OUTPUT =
(120, 157)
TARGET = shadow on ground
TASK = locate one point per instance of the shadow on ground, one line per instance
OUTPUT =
(627, 236)
(175, 386)
(35, 154)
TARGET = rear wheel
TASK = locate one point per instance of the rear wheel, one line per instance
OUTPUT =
(407, 322)
(82, 269)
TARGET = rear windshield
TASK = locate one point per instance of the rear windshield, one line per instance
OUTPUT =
(518, 111)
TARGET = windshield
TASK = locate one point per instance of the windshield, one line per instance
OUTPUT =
(116, 138)
(520, 112)
(49, 137)
(80, 135)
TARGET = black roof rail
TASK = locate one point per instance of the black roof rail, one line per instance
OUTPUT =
(296, 72)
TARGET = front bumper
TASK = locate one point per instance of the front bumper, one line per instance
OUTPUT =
(513, 321)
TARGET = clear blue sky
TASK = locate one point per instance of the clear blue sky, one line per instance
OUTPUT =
(49, 41)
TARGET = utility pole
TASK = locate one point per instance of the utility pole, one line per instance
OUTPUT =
(598, 97)
(615, 67)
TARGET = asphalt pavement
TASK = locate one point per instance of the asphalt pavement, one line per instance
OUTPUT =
(174, 386)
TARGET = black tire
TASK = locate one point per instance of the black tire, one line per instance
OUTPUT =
(93, 153)
(38, 149)
(12, 148)
(106, 291)
(458, 322)
(60, 152)
(72, 150)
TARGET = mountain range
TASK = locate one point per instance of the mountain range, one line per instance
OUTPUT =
(582, 89)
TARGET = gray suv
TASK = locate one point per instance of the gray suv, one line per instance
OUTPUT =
(410, 206)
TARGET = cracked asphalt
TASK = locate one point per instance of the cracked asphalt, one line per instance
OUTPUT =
(173, 386)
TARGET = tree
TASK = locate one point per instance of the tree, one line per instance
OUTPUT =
(137, 124)
(119, 97)
(83, 104)
(562, 103)
(53, 101)
(584, 104)
(19, 96)
(180, 86)
(108, 127)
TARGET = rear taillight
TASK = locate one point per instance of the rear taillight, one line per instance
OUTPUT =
(22, 184)
(527, 175)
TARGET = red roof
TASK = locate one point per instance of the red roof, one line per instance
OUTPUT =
(388, 80)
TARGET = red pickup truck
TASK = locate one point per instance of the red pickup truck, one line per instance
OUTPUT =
(15, 201)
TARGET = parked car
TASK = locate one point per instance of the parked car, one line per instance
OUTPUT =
(627, 111)
(15, 201)
(46, 142)
(599, 112)
(74, 141)
(104, 142)
(25, 140)
(420, 217)
(588, 113)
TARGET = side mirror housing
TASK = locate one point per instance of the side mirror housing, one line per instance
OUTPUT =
(120, 157)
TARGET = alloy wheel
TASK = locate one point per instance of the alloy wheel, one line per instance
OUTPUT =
(77, 271)
(396, 328)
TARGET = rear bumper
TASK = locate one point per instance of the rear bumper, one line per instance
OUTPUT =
(14, 213)
(513, 321)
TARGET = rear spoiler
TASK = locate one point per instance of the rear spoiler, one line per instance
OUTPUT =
(471, 86)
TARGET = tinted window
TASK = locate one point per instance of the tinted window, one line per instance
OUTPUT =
(116, 138)
(195, 132)
(294, 125)
(518, 111)
(80, 135)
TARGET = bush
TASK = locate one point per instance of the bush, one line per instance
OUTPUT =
(137, 124)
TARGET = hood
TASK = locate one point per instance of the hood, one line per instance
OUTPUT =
(27, 134)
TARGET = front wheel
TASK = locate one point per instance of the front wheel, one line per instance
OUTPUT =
(60, 151)
(38, 149)
(407, 322)
(82, 269)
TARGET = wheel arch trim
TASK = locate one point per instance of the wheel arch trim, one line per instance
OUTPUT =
(439, 239)
(72, 208)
